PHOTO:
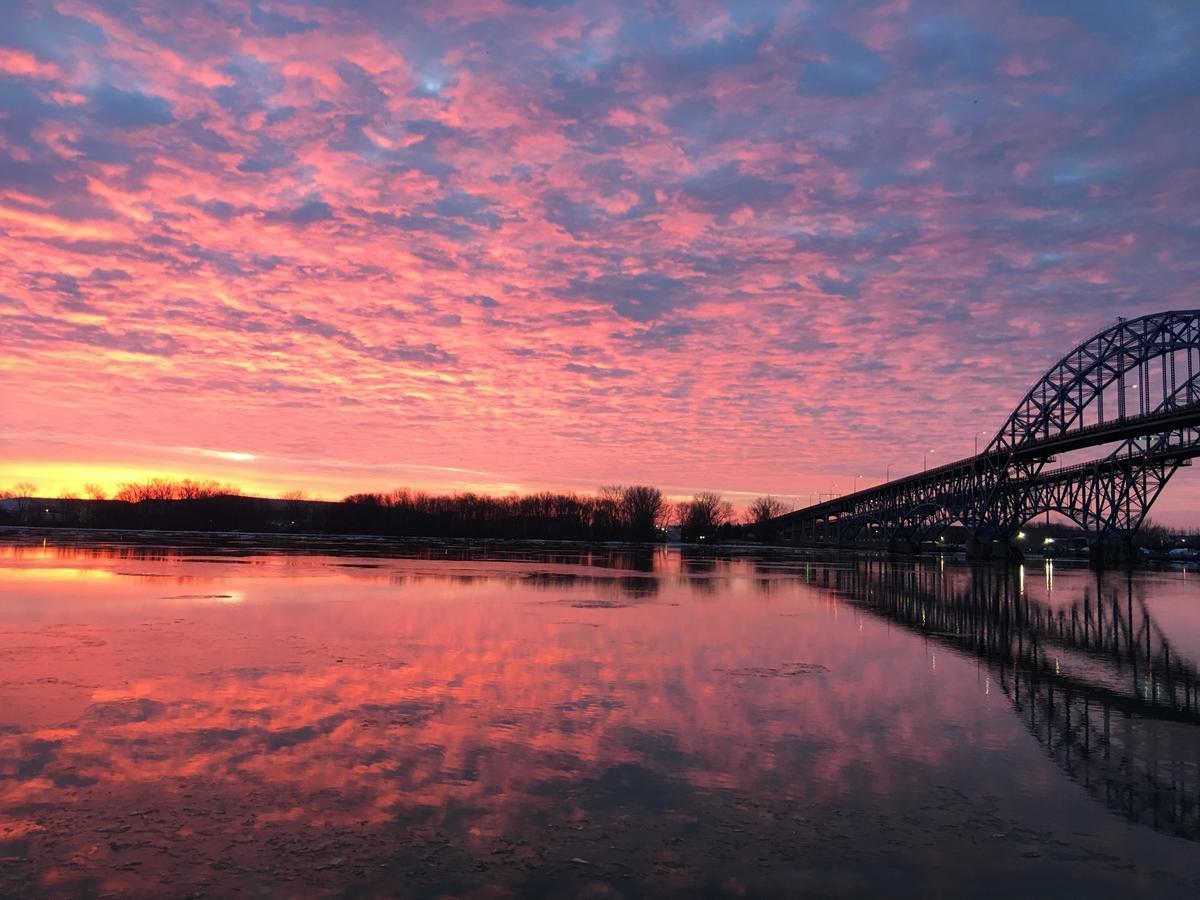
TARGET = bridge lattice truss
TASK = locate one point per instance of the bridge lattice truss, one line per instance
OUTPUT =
(1135, 385)
(1096, 680)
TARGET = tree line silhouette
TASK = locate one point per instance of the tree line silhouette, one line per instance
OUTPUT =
(614, 513)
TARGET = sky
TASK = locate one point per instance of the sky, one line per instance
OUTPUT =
(498, 246)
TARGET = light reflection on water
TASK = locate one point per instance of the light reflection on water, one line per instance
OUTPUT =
(176, 720)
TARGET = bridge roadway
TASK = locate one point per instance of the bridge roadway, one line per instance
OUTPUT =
(1128, 428)
(994, 493)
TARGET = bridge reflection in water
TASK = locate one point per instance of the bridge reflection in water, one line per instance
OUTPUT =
(1096, 682)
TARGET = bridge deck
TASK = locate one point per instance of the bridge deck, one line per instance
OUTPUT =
(1093, 435)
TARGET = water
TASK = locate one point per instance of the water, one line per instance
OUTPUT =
(603, 723)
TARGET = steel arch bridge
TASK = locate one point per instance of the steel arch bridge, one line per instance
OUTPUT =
(1135, 386)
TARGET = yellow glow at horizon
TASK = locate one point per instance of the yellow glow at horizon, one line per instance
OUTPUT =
(55, 478)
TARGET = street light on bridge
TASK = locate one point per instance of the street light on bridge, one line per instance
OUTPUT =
(1125, 395)
(977, 434)
(925, 460)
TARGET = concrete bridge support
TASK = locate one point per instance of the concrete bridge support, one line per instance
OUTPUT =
(1112, 554)
(1002, 550)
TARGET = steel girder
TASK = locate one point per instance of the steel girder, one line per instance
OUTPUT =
(995, 493)
(1078, 383)
(1109, 497)
(1070, 400)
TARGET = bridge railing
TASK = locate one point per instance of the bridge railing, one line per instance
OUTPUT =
(1144, 425)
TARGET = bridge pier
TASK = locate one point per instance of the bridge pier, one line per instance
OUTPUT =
(903, 545)
(1112, 554)
(1004, 550)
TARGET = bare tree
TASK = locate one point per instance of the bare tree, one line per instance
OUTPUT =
(94, 491)
(608, 513)
(24, 489)
(151, 489)
(764, 509)
(642, 509)
(701, 516)
(192, 489)
(293, 504)
(24, 492)
(170, 489)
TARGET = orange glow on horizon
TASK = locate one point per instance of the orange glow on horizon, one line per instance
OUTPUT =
(56, 479)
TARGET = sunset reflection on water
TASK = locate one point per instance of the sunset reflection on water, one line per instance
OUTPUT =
(534, 722)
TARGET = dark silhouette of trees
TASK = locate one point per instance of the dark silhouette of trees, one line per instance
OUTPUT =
(636, 513)
(644, 508)
(764, 509)
(151, 489)
(196, 490)
(607, 515)
(170, 489)
(297, 510)
(24, 492)
(705, 516)
(614, 513)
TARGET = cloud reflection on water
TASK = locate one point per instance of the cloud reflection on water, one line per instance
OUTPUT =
(516, 715)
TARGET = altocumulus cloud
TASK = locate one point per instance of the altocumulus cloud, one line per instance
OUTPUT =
(435, 238)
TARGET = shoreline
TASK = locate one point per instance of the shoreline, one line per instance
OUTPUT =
(349, 544)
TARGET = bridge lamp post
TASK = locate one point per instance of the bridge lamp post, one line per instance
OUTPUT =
(1136, 386)
(887, 474)
(977, 434)
(925, 460)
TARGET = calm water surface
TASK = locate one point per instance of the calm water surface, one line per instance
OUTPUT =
(181, 721)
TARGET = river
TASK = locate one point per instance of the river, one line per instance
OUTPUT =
(556, 721)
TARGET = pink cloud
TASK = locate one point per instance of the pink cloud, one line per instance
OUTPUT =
(810, 243)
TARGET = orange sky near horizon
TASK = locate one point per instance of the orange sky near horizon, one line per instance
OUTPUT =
(766, 248)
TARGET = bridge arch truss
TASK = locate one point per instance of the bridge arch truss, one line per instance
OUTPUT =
(1083, 401)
